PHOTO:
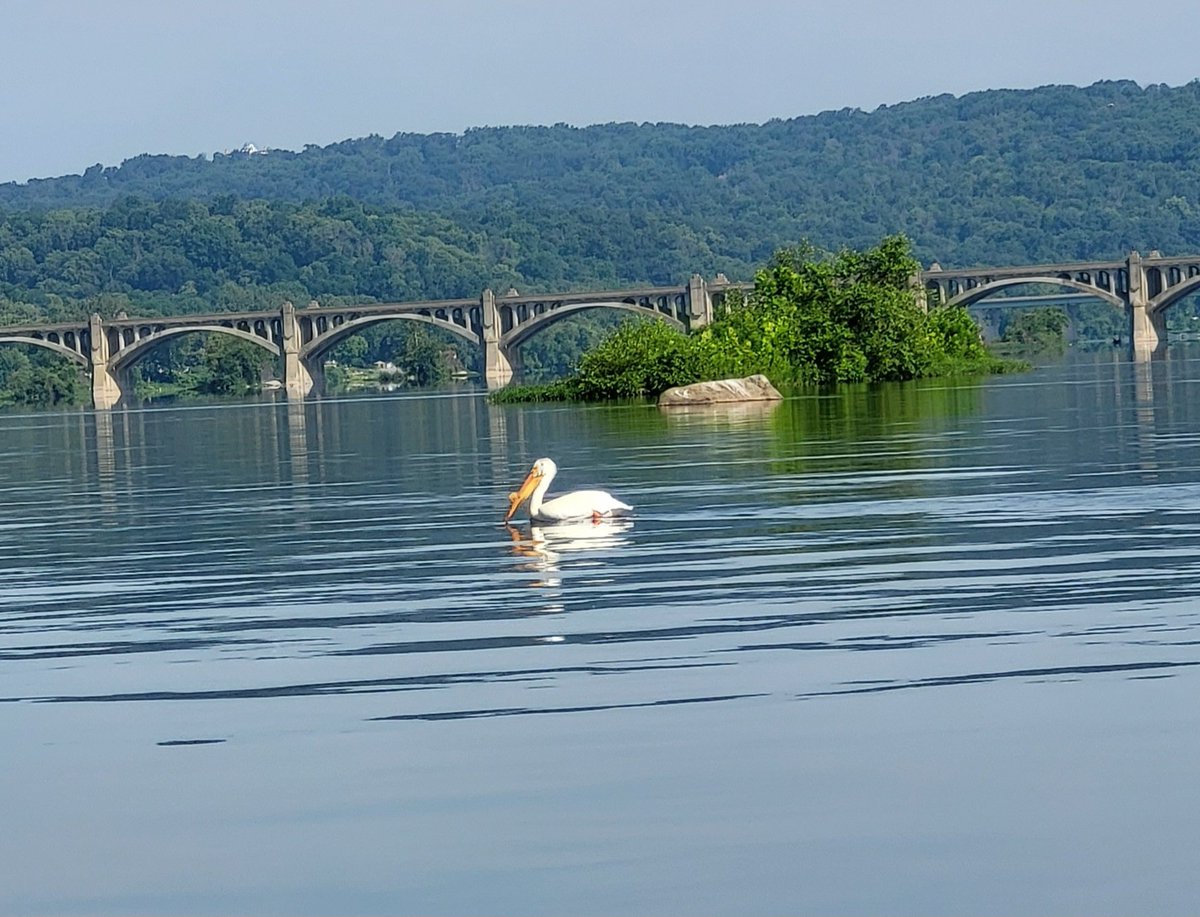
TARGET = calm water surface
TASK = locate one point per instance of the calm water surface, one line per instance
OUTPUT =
(919, 649)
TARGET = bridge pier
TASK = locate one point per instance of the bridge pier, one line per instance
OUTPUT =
(700, 307)
(1147, 333)
(297, 380)
(106, 389)
(497, 368)
(1147, 326)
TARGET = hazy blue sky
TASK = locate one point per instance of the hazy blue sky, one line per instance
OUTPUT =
(86, 82)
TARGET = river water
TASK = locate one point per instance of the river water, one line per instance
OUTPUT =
(926, 648)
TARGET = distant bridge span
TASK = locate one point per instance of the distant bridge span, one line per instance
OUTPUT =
(496, 325)
(1144, 287)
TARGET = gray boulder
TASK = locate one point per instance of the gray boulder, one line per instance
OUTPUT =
(722, 391)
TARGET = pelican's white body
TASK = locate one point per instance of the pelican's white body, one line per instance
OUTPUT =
(579, 504)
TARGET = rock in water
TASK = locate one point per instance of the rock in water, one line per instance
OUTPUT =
(723, 391)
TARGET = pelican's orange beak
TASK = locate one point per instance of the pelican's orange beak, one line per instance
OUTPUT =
(528, 486)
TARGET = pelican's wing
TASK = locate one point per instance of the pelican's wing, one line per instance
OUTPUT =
(582, 504)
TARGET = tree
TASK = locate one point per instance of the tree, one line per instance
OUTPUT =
(230, 366)
(849, 317)
(351, 351)
(39, 379)
(1041, 329)
(423, 358)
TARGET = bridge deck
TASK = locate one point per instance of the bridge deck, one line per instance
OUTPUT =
(430, 305)
(1027, 270)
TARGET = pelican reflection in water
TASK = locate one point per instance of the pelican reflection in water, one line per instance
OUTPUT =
(551, 541)
(546, 546)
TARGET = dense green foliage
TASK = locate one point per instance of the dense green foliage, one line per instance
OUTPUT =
(30, 375)
(1038, 329)
(849, 317)
(230, 366)
(421, 355)
(172, 257)
(203, 364)
(852, 317)
(639, 358)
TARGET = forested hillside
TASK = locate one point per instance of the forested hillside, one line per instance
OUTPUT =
(156, 257)
(1013, 176)
(1054, 173)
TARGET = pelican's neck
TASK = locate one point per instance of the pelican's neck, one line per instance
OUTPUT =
(539, 492)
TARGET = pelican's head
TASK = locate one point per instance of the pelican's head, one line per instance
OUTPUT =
(543, 469)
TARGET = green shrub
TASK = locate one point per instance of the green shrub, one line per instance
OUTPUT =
(558, 390)
(1038, 329)
(956, 347)
(638, 359)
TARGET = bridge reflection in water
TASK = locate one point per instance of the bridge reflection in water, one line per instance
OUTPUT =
(1142, 287)
(300, 448)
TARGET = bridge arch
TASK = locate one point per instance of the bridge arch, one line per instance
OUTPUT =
(539, 322)
(59, 349)
(1167, 298)
(319, 345)
(974, 294)
(131, 353)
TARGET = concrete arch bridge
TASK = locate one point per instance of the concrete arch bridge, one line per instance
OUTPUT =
(1142, 287)
(301, 338)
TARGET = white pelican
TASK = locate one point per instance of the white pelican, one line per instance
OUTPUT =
(579, 504)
